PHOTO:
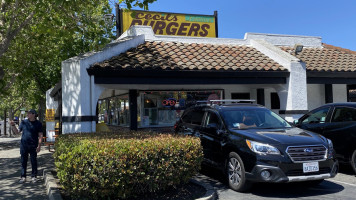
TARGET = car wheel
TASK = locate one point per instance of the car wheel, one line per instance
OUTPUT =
(353, 161)
(236, 173)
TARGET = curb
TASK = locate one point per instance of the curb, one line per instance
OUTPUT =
(51, 186)
(53, 192)
(210, 191)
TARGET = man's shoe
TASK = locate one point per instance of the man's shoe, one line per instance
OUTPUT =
(33, 179)
(22, 180)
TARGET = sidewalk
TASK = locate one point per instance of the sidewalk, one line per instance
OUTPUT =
(10, 171)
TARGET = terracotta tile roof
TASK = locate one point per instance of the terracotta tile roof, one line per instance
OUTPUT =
(339, 48)
(328, 58)
(184, 56)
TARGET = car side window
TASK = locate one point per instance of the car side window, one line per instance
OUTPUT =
(194, 117)
(344, 114)
(213, 120)
(317, 116)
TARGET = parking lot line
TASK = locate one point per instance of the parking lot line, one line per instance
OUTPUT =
(343, 182)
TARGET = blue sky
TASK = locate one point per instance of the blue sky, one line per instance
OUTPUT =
(334, 21)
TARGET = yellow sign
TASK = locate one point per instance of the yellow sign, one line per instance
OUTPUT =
(171, 23)
(50, 115)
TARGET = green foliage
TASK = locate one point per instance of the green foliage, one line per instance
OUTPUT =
(59, 30)
(104, 165)
(142, 4)
(37, 35)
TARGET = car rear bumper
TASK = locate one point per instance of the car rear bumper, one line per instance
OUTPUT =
(281, 174)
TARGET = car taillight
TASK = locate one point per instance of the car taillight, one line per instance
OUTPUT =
(175, 126)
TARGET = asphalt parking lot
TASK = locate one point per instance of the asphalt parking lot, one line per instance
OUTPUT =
(343, 186)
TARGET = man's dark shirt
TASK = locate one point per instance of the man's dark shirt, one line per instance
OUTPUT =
(30, 132)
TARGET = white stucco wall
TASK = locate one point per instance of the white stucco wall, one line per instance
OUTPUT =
(339, 93)
(293, 94)
(316, 95)
(274, 39)
(50, 102)
(285, 40)
(296, 88)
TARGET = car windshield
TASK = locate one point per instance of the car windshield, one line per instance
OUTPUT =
(253, 118)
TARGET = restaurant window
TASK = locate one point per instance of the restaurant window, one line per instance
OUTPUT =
(163, 108)
(124, 110)
(103, 116)
(114, 110)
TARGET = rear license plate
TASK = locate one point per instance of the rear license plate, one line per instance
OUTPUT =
(310, 167)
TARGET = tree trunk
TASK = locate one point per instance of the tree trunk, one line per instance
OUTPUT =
(41, 109)
(11, 117)
(5, 122)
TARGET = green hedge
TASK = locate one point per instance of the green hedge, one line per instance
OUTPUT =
(104, 165)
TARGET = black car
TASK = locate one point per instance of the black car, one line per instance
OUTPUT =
(336, 121)
(250, 143)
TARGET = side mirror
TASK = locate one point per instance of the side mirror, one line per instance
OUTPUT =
(295, 122)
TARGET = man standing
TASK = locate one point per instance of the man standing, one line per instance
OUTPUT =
(31, 140)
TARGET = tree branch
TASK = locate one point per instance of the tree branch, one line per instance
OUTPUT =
(10, 83)
(11, 33)
(18, 107)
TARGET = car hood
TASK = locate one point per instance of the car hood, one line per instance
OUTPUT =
(291, 136)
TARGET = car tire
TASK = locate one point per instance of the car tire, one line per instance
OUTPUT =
(235, 172)
(353, 161)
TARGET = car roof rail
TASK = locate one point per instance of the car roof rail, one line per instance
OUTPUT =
(232, 101)
(202, 102)
(223, 102)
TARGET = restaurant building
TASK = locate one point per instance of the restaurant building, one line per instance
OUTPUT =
(143, 80)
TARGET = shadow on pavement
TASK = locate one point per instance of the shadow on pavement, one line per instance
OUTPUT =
(294, 190)
(277, 190)
(217, 178)
(10, 175)
(9, 145)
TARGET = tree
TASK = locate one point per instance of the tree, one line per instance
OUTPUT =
(37, 35)
(31, 19)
